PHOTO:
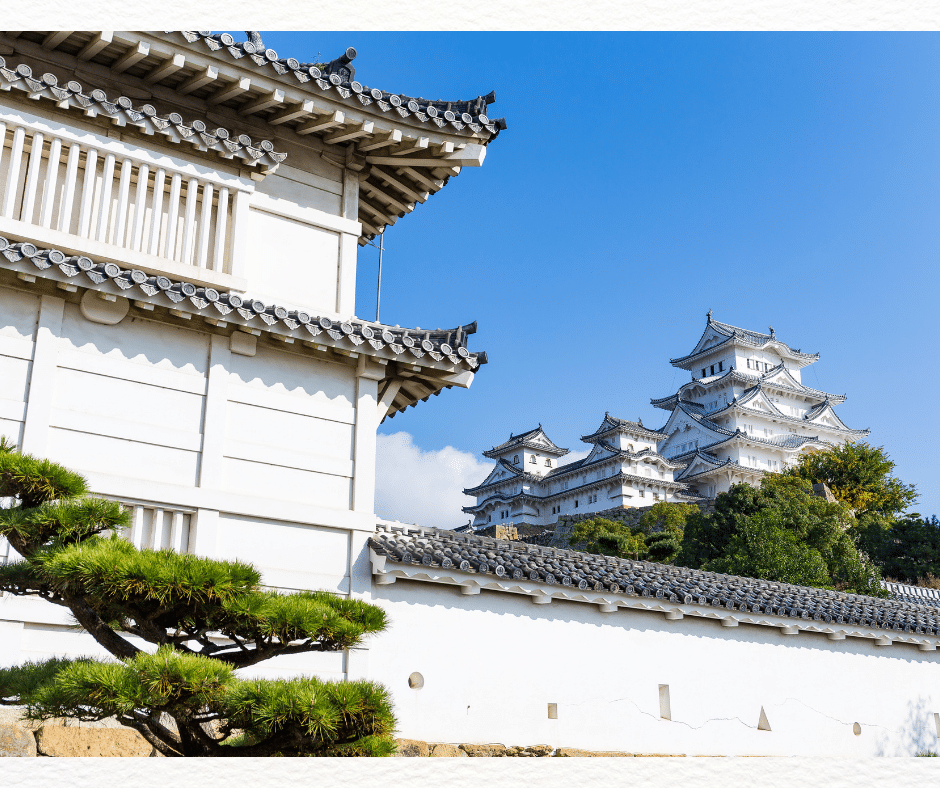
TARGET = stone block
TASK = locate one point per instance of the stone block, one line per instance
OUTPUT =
(571, 752)
(536, 751)
(411, 748)
(16, 742)
(540, 750)
(485, 750)
(447, 751)
(63, 742)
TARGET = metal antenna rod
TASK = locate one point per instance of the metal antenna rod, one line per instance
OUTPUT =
(378, 294)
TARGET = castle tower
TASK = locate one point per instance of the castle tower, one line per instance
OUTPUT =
(180, 215)
(745, 411)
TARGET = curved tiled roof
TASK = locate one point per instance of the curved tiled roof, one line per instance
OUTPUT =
(611, 424)
(338, 77)
(123, 111)
(743, 336)
(526, 440)
(781, 416)
(917, 595)
(245, 312)
(592, 484)
(717, 464)
(668, 403)
(519, 567)
(403, 149)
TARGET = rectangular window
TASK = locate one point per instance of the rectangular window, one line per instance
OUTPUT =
(703, 373)
(721, 366)
(575, 504)
(748, 363)
(713, 369)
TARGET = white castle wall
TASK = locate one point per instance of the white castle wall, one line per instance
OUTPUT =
(493, 662)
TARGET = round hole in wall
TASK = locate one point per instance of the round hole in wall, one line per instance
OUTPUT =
(416, 681)
(857, 729)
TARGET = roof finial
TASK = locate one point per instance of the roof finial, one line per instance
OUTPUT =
(709, 315)
(640, 422)
(254, 38)
(772, 334)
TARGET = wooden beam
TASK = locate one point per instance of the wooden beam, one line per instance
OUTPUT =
(432, 185)
(388, 397)
(229, 91)
(198, 80)
(350, 134)
(443, 148)
(55, 38)
(369, 227)
(402, 187)
(292, 112)
(387, 198)
(336, 119)
(471, 156)
(97, 43)
(417, 390)
(392, 138)
(276, 96)
(133, 55)
(415, 145)
(381, 216)
(169, 66)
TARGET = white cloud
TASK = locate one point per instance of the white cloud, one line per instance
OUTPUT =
(424, 487)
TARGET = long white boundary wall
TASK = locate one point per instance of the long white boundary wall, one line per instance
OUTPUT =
(493, 662)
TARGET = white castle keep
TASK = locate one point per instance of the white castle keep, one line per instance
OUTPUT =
(745, 412)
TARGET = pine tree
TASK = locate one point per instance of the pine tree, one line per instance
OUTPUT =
(203, 619)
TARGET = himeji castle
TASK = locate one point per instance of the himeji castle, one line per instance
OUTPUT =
(744, 412)
(180, 217)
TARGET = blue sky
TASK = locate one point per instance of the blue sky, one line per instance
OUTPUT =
(790, 180)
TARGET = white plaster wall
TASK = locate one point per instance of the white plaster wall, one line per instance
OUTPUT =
(20, 313)
(493, 662)
(292, 263)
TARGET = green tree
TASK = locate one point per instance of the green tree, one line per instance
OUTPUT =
(205, 619)
(607, 537)
(780, 531)
(906, 549)
(667, 516)
(859, 476)
(662, 547)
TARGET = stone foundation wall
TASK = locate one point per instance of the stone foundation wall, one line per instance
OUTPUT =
(65, 738)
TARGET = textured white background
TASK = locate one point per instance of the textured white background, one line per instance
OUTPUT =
(480, 15)
(469, 773)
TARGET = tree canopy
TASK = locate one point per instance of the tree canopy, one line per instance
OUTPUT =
(203, 619)
(859, 476)
(780, 531)
(907, 549)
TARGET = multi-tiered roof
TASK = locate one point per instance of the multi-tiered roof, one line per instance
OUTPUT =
(726, 412)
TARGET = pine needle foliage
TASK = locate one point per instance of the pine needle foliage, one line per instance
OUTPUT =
(203, 619)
